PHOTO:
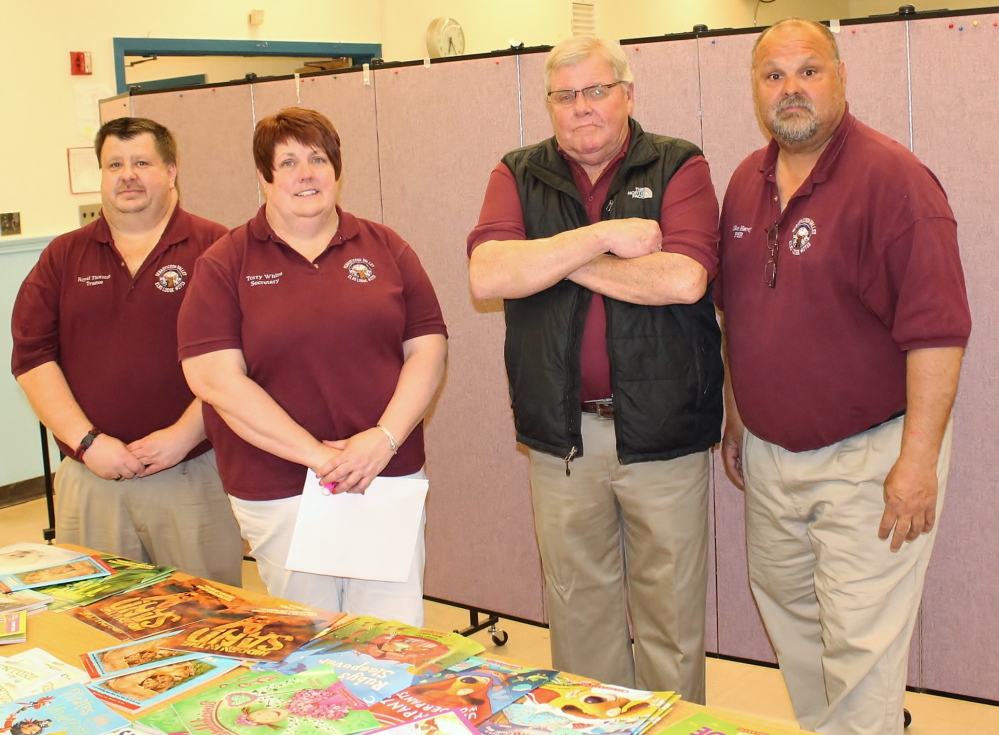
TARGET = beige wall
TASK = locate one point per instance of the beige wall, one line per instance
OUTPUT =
(39, 119)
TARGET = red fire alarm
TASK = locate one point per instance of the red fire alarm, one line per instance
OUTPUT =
(79, 62)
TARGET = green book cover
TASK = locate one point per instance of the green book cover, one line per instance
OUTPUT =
(704, 724)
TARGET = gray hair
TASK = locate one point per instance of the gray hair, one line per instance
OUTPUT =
(821, 28)
(575, 50)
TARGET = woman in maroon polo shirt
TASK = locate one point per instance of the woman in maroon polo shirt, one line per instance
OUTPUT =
(316, 341)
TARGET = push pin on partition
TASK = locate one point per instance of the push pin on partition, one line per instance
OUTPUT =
(950, 25)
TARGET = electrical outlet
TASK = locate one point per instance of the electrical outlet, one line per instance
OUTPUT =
(88, 213)
(10, 223)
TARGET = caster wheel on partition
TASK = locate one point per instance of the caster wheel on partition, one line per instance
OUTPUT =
(500, 637)
(906, 718)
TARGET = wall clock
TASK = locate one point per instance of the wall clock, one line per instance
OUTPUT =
(445, 37)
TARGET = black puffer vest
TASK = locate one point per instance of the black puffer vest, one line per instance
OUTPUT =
(665, 361)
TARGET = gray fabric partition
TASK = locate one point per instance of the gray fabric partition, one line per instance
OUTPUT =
(418, 146)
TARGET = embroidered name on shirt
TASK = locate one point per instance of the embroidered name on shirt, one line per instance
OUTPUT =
(170, 278)
(640, 192)
(265, 279)
(801, 238)
(93, 280)
(740, 231)
(360, 270)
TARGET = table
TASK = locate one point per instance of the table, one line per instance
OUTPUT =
(66, 638)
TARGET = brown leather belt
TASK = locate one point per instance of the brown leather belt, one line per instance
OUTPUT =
(603, 409)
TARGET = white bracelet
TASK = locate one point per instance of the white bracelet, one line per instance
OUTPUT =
(392, 441)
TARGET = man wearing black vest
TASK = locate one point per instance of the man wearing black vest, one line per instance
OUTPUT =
(603, 243)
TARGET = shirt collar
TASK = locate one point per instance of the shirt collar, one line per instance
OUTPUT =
(177, 230)
(577, 169)
(261, 229)
(826, 161)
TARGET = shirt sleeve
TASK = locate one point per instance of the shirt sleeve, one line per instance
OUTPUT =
(689, 215)
(502, 217)
(917, 288)
(210, 318)
(35, 319)
(423, 310)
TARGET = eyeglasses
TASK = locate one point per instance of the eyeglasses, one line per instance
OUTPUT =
(773, 245)
(596, 93)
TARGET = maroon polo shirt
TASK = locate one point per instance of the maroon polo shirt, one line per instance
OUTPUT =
(113, 335)
(323, 338)
(688, 219)
(868, 268)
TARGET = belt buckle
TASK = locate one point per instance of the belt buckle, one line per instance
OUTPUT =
(605, 410)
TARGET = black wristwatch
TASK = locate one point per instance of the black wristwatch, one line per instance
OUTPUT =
(86, 442)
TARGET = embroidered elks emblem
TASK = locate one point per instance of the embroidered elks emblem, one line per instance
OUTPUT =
(360, 270)
(801, 237)
(170, 278)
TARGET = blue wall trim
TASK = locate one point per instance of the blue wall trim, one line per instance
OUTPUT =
(361, 53)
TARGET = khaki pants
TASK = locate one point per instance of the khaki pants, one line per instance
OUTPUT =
(179, 517)
(838, 605)
(617, 538)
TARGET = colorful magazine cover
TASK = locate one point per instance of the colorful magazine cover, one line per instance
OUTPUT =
(261, 634)
(376, 659)
(129, 575)
(477, 688)
(168, 605)
(445, 723)
(146, 653)
(70, 710)
(167, 720)
(85, 567)
(310, 703)
(584, 707)
(134, 690)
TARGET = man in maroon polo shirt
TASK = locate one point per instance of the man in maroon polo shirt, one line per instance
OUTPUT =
(602, 241)
(845, 319)
(95, 350)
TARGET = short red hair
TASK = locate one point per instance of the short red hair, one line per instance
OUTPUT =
(308, 127)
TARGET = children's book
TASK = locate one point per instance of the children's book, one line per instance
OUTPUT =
(261, 634)
(26, 556)
(70, 710)
(146, 653)
(168, 605)
(584, 707)
(445, 723)
(13, 627)
(310, 703)
(85, 567)
(705, 724)
(135, 690)
(477, 688)
(35, 672)
(128, 575)
(31, 601)
(376, 659)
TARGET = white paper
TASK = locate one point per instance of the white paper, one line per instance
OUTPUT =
(369, 536)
